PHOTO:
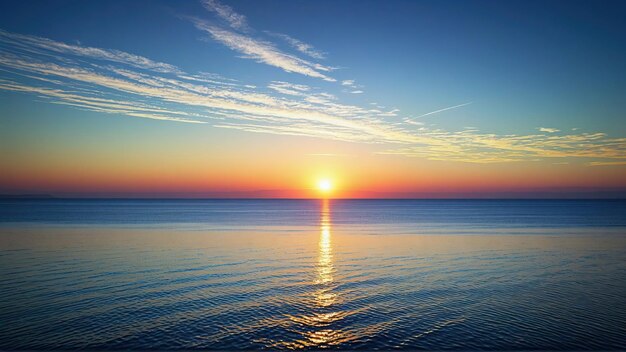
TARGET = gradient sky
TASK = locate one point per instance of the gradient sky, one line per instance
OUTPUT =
(262, 98)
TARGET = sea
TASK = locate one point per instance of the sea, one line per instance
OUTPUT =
(248, 274)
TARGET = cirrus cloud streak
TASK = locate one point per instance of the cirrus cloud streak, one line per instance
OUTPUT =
(115, 82)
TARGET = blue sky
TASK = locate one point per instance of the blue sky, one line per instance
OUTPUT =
(452, 81)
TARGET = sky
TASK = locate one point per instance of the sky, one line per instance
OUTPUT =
(207, 98)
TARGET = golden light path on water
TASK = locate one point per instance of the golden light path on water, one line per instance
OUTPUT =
(318, 330)
(325, 257)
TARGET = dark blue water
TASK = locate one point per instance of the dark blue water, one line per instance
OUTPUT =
(308, 274)
(281, 212)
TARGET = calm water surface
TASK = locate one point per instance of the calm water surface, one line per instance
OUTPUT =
(306, 274)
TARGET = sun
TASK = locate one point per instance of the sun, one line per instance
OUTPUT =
(324, 185)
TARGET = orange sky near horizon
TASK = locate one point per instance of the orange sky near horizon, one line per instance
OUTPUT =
(354, 172)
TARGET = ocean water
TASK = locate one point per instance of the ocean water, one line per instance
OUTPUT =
(313, 274)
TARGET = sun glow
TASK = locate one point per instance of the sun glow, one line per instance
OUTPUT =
(324, 185)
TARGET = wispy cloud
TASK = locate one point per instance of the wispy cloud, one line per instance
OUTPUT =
(299, 45)
(314, 113)
(38, 45)
(412, 122)
(225, 12)
(390, 113)
(548, 130)
(289, 88)
(108, 106)
(347, 82)
(263, 51)
(607, 163)
(121, 83)
(474, 147)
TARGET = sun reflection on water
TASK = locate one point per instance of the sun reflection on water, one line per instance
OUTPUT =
(325, 253)
(318, 323)
(320, 328)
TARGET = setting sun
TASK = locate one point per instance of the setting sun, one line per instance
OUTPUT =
(324, 185)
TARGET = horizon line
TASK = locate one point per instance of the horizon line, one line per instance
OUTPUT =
(52, 197)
